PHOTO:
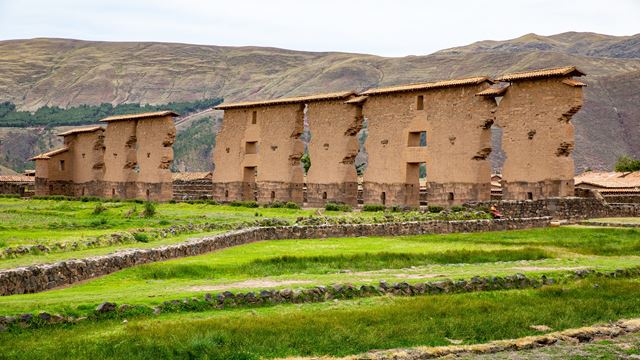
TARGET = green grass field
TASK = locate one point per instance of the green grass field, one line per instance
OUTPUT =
(333, 328)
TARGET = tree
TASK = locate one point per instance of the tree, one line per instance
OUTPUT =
(627, 163)
(306, 162)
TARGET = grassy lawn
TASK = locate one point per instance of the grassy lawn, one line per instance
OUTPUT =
(300, 263)
(632, 220)
(334, 328)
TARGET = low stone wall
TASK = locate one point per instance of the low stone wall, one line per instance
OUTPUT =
(193, 189)
(47, 276)
(561, 208)
(629, 199)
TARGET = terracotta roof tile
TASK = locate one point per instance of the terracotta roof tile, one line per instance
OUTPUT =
(496, 90)
(290, 100)
(146, 115)
(81, 130)
(16, 178)
(427, 85)
(574, 83)
(544, 73)
(48, 155)
(610, 180)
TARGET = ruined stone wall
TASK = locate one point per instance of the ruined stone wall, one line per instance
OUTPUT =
(229, 154)
(192, 189)
(47, 276)
(87, 162)
(333, 147)
(538, 138)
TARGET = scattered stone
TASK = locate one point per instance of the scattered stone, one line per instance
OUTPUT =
(543, 328)
(106, 307)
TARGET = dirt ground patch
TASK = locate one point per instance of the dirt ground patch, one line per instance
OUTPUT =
(254, 283)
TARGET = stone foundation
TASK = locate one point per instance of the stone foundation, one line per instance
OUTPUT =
(536, 190)
(270, 191)
(457, 193)
(42, 277)
(391, 194)
(320, 194)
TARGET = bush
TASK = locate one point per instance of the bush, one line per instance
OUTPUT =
(149, 209)
(99, 209)
(292, 205)
(626, 163)
(9, 196)
(141, 237)
(274, 205)
(337, 207)
(435, 208)
(373, 207)
(248, 204)
(89, 198)
(457, 208)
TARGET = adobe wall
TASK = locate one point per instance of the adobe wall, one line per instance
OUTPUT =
(228, 157)
(271, 148)
(538, 138)
(120, 158)
(458, 145)
(87, 162)
(333, 147)
(456, 151)
(155, 138)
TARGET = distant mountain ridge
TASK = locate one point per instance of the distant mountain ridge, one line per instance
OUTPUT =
(63, 72)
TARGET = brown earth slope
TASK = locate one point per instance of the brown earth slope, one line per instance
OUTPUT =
(63, 72)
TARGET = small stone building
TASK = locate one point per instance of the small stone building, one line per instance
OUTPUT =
(22, 185)
(129, 159)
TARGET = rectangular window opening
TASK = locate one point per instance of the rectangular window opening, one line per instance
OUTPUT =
(417, 139)
(420, 102)
(251, 147)
(254, 117)
(61, 165)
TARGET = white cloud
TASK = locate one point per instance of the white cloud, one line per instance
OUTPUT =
(383, 27)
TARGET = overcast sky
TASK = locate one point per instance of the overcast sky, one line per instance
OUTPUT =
(390, 28)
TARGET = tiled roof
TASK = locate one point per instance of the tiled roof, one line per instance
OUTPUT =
(427, 85)
(81, 130)
(146, 115)
(544, 73)
(190, 176)
(16, 178)
(574, 83)
(290, 100)
(49, 154)
(495, 90)
(609, 180)
(357, 100)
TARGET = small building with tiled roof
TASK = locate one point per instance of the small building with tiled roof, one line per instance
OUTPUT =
(613, 186)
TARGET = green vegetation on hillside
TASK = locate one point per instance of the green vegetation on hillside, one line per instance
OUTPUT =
(193, 146)
(88, 114)
(627, 163)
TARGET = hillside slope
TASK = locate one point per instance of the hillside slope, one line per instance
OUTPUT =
(63, 72)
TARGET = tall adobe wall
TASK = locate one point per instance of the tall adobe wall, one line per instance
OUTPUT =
(334, 126)
(258, 153)
(228, 157)
(458, 145)
(86, 166)
(538, 138)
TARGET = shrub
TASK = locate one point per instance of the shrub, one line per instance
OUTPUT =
(627, 163)
(141, 237)
(89, 198)
(435, 208)
(99, 223)
(457, 208)
(248, 204)
(149, 209)
(164, 222)
(99, 209)
(373, 207)
(274, 204)
(337, 207)
(292, 205)
(8, 196)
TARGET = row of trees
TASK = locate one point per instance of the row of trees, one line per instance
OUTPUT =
(626, 163)
(87, 114)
